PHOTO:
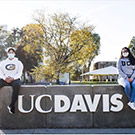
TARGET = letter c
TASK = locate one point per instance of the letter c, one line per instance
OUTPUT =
(38, 105)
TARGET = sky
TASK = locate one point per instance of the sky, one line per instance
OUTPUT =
(114, 20)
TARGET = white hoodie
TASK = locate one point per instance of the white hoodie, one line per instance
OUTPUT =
(12, 68)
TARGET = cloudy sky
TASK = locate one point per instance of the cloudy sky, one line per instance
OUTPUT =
(114, 20)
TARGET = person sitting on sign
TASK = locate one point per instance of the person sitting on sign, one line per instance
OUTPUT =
(126, 69)
(10, 74)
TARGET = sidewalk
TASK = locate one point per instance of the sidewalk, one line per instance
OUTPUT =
(70, 131)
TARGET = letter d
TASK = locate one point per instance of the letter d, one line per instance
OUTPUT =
(57, 105)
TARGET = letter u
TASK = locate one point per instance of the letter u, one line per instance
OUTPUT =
(20, 104)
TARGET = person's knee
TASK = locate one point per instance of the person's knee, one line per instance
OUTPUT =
(127, 85)
(122, 82)
(2, 83)
(133, 84)
(16, 83)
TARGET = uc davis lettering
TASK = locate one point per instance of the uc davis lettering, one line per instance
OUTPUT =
(83, 103)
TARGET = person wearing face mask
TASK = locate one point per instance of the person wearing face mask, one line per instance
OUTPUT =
(10, 74)
(126, 69)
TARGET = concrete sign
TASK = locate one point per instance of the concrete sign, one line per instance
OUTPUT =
(99, 106)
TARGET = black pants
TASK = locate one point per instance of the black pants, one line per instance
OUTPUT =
(16, 87)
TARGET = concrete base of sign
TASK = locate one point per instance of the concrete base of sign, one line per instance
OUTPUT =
(21, 120)
(121, 119)
(67, 119)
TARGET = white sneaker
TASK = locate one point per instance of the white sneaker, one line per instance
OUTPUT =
(132, 105)
(9, 109)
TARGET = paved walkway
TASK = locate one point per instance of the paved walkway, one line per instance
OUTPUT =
(70, 131)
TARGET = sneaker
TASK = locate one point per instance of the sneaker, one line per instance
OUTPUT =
(132, 105)
(11, 109)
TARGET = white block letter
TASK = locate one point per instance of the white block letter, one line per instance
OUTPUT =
(118, 104)
(78, 104)
(92, 106)
(106, 103)
(58, 99)
(20, 104)
(38, 105)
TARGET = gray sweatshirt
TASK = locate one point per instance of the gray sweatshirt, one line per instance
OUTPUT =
(125, 69)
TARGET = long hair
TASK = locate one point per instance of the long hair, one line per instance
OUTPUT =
(130, 56)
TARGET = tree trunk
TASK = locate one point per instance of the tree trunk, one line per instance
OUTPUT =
(57, 81)
(89, 65)
(58, 76)
(24, 76)
(89, 68)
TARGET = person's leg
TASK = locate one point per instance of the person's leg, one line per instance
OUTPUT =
(122, 82)
(127, 86)
(128, 91)
(133, 91)
(3, 83)
(16, 87)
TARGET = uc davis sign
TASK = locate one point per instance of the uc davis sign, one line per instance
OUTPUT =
(102, 106)
(79, 103)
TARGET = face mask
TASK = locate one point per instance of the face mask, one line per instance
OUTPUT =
(11, 56)
(125, 54)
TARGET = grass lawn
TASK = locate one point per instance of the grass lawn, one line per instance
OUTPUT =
(92, 82)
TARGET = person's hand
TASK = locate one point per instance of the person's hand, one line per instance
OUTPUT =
(9, 79)
(130, 79)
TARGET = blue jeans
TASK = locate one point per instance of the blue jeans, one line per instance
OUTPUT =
(129, 88)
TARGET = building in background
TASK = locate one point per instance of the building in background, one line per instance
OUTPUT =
(103, 64)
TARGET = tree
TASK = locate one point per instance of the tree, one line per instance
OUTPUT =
(65, 41)
(30, 44)
(90, 50)
(3, 36)
(13, 38)
(76, 71)
(132, 45)
(44, 72)
(30, 51)
(31, 39)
